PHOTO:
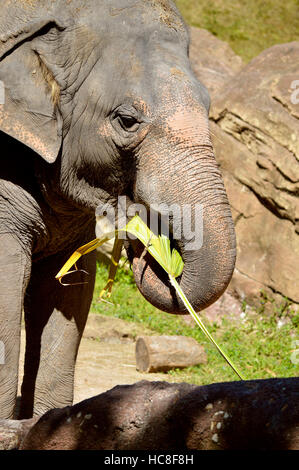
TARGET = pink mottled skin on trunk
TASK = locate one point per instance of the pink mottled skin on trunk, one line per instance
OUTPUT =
(183, 147)
(189, 126)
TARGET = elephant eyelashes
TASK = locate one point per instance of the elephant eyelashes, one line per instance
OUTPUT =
(128, 123)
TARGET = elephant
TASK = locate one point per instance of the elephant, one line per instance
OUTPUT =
(100, 102)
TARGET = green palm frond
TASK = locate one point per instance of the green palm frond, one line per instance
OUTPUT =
(159, 247)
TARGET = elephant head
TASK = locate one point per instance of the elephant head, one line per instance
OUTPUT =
(104, 93)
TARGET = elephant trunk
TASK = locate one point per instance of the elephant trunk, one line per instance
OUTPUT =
(180, 171)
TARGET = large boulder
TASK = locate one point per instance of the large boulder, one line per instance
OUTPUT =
(242, 415)
(255, 129)
(213, 60)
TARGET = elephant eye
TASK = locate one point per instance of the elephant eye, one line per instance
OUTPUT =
(128, 123)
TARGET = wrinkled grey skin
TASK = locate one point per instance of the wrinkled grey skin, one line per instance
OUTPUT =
(130, 119)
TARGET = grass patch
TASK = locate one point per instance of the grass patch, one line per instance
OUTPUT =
(256, 345)
(249, 26)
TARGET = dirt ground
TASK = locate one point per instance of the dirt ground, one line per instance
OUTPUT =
(106, 357)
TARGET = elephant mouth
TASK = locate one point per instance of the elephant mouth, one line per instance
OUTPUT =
(206, 274)
(208, 264)
(151, 279)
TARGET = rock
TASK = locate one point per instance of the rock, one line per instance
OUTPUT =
(255, 131)
(227, 306)
(12, 432)
(242, 415)
(213, 61)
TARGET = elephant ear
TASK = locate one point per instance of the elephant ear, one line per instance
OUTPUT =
(29, 109)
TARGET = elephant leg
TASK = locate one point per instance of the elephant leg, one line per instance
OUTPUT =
(55, 318)
(14, 276)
